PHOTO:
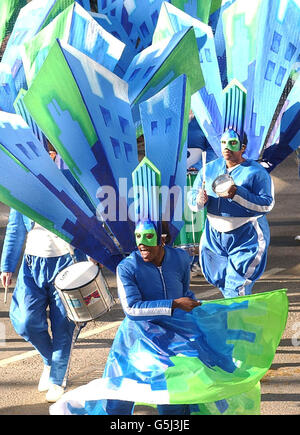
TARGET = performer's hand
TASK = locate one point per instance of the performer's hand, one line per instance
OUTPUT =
(231, 192)
(92, 260)
(185, 303)
(202, 197)
(6, 278)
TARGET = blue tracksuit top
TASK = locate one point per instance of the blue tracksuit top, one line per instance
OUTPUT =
(254, 195)
(146, 291)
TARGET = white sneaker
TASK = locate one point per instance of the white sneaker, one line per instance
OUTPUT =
(44, 379)
(196, 270)
(54, 393)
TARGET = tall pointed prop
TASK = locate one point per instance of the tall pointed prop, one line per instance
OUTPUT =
(234, 108)
(164, 121)
(207, 98)
(20, 109)
(44, 194)
(84, 111)
(267, 35)
(155, 67)
(31, 19)
(76, 27)
(8, 90)
(285, 137)
(146, 179)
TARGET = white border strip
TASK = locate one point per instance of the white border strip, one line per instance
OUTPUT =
(255, 262)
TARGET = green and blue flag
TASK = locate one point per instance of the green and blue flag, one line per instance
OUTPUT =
(212, 358)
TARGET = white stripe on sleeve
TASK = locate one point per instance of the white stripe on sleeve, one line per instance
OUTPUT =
(139, 312)
(255, 207)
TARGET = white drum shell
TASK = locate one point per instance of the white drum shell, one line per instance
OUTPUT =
(88, 301)
(222, 184)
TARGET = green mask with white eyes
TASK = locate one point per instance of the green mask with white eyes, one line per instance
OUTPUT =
(145, 234)
(230, 140)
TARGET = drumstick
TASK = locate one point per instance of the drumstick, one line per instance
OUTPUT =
(5, 292)
(203, 168)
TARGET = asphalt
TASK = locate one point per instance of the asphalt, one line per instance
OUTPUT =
(20, 366)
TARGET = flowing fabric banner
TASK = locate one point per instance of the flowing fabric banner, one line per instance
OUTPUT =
(211, 358)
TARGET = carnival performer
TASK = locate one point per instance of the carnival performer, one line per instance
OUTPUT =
(45, 255)
(152, 281)
(234, 244)
(173, 351)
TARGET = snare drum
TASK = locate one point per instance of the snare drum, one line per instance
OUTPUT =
(190, 234)
(83, 291)
(222, 184)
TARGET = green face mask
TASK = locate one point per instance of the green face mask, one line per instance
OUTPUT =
(145, 234)
(231, 141)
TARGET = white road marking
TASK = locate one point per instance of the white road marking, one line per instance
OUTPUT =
(273, 271)
(31, 353)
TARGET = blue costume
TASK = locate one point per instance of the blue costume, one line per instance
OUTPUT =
(233, 247)
(146, 293)
(35, 291)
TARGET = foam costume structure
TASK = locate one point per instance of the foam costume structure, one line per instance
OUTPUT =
(91, 82)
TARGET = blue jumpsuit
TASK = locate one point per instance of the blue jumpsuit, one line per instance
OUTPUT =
(33, 293)
(146, 293)
(233, 247)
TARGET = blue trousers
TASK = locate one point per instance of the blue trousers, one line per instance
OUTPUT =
(234, 260)
(34, 292)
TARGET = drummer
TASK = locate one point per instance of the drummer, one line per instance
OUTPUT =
(234, 244)
(45, 255)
